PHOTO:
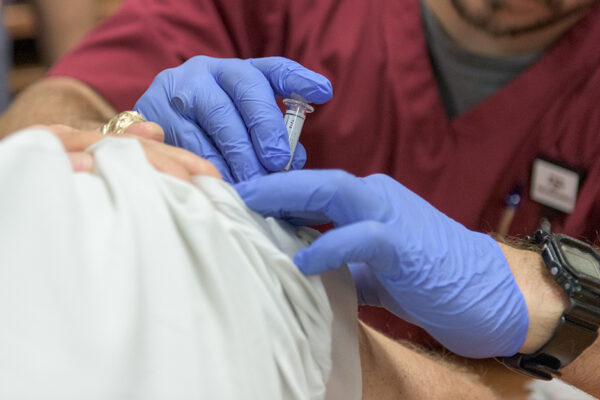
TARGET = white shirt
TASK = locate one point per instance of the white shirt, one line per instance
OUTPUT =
(130, 284)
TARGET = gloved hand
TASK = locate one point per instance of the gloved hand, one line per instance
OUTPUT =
(405, 255)
(225, 111)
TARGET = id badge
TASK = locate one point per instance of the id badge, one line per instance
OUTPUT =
(555, 185)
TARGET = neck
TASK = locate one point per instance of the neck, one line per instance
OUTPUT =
(479, 41)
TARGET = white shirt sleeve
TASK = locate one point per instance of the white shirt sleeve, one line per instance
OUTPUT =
(129, 284)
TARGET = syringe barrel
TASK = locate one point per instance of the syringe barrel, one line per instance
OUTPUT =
(294, 121)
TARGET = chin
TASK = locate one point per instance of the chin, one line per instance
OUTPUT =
(515, 17)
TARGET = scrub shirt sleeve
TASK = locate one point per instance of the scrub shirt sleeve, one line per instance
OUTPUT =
(121, 57)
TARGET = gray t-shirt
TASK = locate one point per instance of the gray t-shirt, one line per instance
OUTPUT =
(466, 78)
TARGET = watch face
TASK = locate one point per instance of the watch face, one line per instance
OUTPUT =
(581, 261)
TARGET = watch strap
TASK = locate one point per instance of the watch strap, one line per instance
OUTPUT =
(569, 340)
(575, 332)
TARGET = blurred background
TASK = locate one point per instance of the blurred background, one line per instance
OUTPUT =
(37, 32)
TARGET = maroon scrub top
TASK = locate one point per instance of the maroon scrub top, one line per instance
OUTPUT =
(386, 115)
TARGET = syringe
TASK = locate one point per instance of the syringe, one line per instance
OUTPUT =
(297, 108)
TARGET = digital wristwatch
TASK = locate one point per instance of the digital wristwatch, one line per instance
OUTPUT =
(575, 267)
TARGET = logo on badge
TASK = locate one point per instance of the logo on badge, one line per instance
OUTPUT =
(554, 185)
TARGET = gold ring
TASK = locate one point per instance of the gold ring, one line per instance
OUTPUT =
(120, 122)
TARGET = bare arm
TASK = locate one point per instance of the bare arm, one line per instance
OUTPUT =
(583, 372)
(394, 370)
(57, 101)
(63, 23)
(546, 302)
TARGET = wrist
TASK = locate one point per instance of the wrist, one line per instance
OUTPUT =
(545, 300)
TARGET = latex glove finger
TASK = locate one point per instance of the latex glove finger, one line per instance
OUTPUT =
(183, 133)
(160, 111)
(201, 142)
(367, 242)
(299, 157)
(253, 91)
(253, 96)
(310, 195)
(370, 291)
(287, 77)
(216, 114)
(366, 284)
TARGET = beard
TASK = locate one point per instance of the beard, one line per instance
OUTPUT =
(486, 19)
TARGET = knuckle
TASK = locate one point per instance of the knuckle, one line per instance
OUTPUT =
(337, 188)
(164, 76)
(193, 161)
(243, 82)
(341, 177)
(185, 156)
(379, 178)
(205, 167)
(250, 89)
(376, 231)
(277, 60)
(216, 117)
(197, 165)
(196, 62)
(265, 122)
(198, 59)
(343, 181)
(150, 145)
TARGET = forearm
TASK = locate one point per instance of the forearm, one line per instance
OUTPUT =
(56, 101)
(546, 302)
(63, 23)
(583, 372)
(391, 370)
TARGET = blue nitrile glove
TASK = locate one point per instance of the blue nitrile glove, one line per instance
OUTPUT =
(225, 111)
(406, 255)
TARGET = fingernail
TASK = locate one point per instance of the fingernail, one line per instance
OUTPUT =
(81, 162)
